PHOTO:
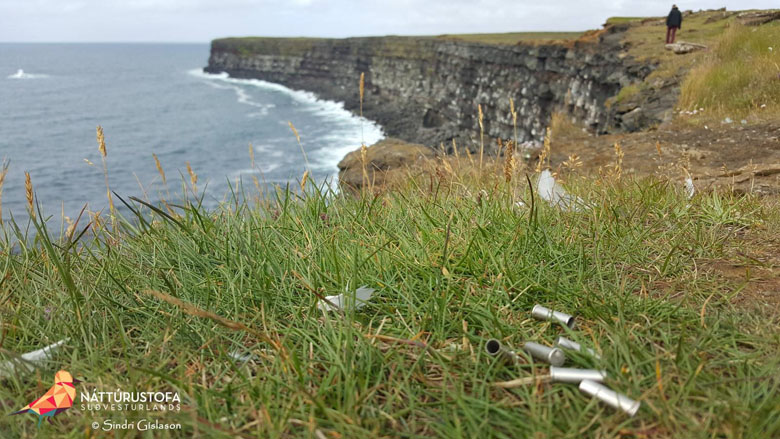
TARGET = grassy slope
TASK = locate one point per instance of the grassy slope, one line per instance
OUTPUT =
(740, 78)
(452, 269)
(512, 38)
(733, 79)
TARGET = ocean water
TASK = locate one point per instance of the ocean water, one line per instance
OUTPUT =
(154, 99)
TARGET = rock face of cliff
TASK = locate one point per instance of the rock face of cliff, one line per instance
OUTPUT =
(426, 89)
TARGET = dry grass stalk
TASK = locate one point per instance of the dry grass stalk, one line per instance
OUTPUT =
(257, 184)
(101, 140)
(481, 136)
(159, 168)
(193, 310)
(251, 156)
(572, 163)
(28, 188)
(455, 149)
(509, 161)
(304, 179)
(363, 147)
(362, 89)
(545, 154)
(364, 163)
(514, 117)
(298, 138)
(193, 177)
(521, 382)
(3, 173)
(618, 160)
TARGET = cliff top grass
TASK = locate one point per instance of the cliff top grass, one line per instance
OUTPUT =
(513, 38)
(222, 307)
(247, 46)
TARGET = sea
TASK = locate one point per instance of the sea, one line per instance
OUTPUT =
(155, 99)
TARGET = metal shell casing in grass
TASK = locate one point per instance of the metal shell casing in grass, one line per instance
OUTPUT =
(541, 313)
(553, 356)
(494, 348)
(570, 375)
(565, 343)
(610, 397)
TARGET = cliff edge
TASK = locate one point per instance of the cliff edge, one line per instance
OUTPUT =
(427, 89)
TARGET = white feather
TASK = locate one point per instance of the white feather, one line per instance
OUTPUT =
(343, 301)
(690, 190)
(30, 359)
(552, 192)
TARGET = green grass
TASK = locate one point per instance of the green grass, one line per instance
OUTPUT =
(450, 271)
(626, 93)
(512, 38)
(620, 20)
(740, 77)
(248, 46)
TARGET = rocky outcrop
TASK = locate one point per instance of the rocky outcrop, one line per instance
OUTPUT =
(683, 47)
(427, 89)
(383, 159)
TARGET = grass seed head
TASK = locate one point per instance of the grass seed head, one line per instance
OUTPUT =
(28, 188)
(159, 167)
(193, 175)
(101, 141)
(3, 173)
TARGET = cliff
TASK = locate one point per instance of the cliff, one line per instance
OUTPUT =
(426, 89)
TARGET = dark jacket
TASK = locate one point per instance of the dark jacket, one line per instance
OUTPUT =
(674, 19)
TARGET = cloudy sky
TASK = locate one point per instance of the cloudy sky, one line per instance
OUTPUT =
(203, 20)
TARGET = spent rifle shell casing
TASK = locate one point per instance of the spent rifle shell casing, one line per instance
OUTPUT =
(570, 375)
(541, 313)
(609, 397)
(494, 348)
(563, 342)
(553, 356)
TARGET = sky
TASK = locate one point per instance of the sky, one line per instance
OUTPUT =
(204, 20)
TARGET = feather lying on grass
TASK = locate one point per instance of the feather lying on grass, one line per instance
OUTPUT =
(30, 360)
(690, 190)
(359, 298)
(552, 192)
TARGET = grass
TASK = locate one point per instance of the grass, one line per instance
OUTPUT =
(512, 38)
(625, 93)
(621, 20)
(158, 303)
(248, 46)
(402, 46)
(740, 77)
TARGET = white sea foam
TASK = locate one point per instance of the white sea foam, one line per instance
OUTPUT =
(347, 130)
(258, 171)
(20, 74)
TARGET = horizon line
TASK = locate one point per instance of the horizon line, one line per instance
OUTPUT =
(293, 37)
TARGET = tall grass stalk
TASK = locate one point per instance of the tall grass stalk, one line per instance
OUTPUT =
(3, 174)
(101, 140)
(481, 136)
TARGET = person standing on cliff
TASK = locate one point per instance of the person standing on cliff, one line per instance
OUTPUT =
(673, 22)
